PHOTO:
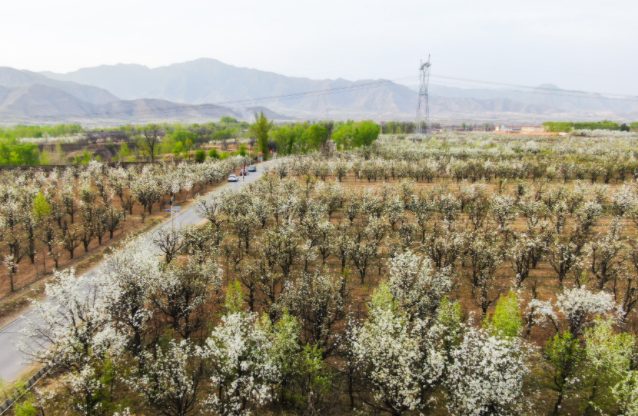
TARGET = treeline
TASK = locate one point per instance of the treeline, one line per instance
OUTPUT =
(178, 139)
(407, 127)
(568, 126)
(15, 152)
(301, 138)
(225, 128)
(35, 132)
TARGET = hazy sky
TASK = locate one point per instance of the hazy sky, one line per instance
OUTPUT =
(581, 44)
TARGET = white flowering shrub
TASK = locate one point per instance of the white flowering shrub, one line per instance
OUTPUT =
(171, 379)
(72, 331)
(400, 360)
(578, 307)
(486, 376)
(243, 363)
(416, 287)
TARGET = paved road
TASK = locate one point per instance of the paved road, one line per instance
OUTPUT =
(12, 361)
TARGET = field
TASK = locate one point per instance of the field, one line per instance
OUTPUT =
(467, 274)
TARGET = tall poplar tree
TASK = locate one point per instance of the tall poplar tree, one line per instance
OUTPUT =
(260, 129)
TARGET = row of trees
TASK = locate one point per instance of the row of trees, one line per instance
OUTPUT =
(608, 169)
(20, 131)
(568, 126)
(302, 138)
(44, 215)
(489, 157)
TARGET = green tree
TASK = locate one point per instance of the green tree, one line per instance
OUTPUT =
(45, 158)
(563, 357)
(60, 156)
(5, 154)
(228, 120)
(177, 141)
(608, 360)
(178, 148)
(213, 154)
(26, 406)
(285, 137)
(260, 129)
(41, 207)
(242, 150)
(234, 297)
(85, 158)
(151, 138)
(507, 320)
(200, 155)
(189, 146)
(558, 126)
(124, 152)
(597, 125)
(352, 134)
(365, 133)
(316, 136)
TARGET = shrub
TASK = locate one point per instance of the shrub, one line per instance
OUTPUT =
(200, 155)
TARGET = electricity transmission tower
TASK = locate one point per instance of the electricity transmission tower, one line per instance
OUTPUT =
(422, 123)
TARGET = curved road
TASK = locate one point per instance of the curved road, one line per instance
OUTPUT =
(12, 361)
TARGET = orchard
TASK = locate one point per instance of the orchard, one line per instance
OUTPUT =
(466, 274)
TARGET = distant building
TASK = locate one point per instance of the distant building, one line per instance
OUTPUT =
(104, 136)
(516, 129)
(507, 128)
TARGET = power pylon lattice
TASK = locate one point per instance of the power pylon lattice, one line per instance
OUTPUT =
(422, 123)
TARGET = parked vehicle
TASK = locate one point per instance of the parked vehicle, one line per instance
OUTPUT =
(233, 178)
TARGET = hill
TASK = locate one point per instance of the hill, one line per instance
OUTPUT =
(46, 104)
(209, 81)
(11, 77)
(548, 95)
(208, 88)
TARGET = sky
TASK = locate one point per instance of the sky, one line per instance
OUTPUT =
(583, 45)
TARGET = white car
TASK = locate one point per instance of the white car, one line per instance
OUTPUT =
(233, 178)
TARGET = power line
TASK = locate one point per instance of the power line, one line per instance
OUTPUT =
(253, 101)
(557, 93)
(554, 90)
(317, 92)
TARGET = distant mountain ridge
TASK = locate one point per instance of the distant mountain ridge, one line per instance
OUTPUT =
(49, 104)
(543, 95)
(211, 81)
(11, 77)
(207, 88)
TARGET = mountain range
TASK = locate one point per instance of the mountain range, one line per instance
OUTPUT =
(207, 89)
(544, 94)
